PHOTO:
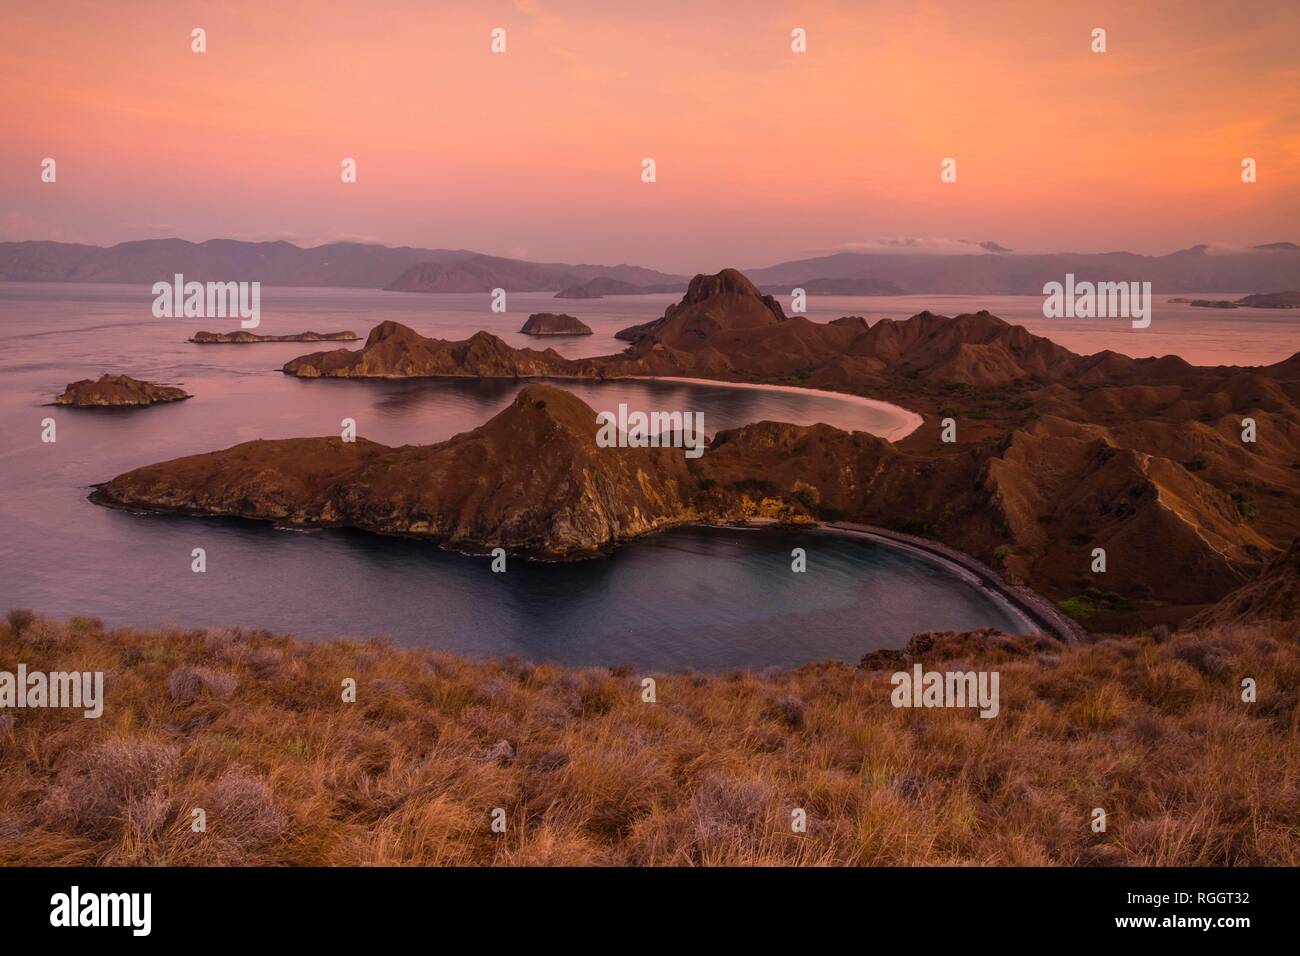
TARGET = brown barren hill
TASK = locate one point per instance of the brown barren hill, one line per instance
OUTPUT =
(1273, 596)
(393, 350)
(118, 391)
(532, 480)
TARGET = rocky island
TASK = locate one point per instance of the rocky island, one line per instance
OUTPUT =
(393, 350)
(553, 323)
(242, 337)
(1259, 300)
(118, 391)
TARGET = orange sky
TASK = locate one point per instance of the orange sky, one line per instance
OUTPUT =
(762, 154)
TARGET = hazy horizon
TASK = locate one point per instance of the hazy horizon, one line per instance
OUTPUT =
(762, 154)
(882, 247)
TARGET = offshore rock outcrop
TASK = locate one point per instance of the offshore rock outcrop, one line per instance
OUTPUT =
(118, 391)
(554, 323)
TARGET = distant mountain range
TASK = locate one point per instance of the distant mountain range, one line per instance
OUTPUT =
(1265, 268)
(340, 264)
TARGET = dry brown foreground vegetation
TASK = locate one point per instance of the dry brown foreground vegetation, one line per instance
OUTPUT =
(250, 727)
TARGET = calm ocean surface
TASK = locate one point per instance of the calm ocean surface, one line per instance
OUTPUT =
(666, 602)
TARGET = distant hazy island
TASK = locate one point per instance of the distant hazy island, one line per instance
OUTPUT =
(241, 337)
(1263, 300)
(848, 285)
(605, 285)
(578, 292)
(554, 323)
(118, 391)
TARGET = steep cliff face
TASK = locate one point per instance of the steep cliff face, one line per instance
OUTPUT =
(118, 391)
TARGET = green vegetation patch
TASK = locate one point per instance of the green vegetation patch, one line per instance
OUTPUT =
(1094, 601)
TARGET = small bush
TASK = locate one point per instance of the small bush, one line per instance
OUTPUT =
(1206, 655)
(19, 618)
(789, 710)
(119, 782)
(240, 807)
(187, 684)
(43, 633)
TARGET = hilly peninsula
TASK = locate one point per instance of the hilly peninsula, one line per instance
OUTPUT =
(1055, 455)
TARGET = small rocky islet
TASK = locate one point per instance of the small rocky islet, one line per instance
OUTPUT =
(118, 391)
(554, 323)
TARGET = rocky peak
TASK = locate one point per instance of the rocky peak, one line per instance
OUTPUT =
(727, 282)
(388, 329)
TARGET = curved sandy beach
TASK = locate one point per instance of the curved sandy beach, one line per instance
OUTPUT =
(909, 421)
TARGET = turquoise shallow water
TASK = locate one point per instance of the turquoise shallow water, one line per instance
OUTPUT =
(703, 598)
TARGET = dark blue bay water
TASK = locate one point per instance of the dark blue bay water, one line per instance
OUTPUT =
(701, 598)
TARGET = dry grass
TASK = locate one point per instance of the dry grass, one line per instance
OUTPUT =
(250, 727)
